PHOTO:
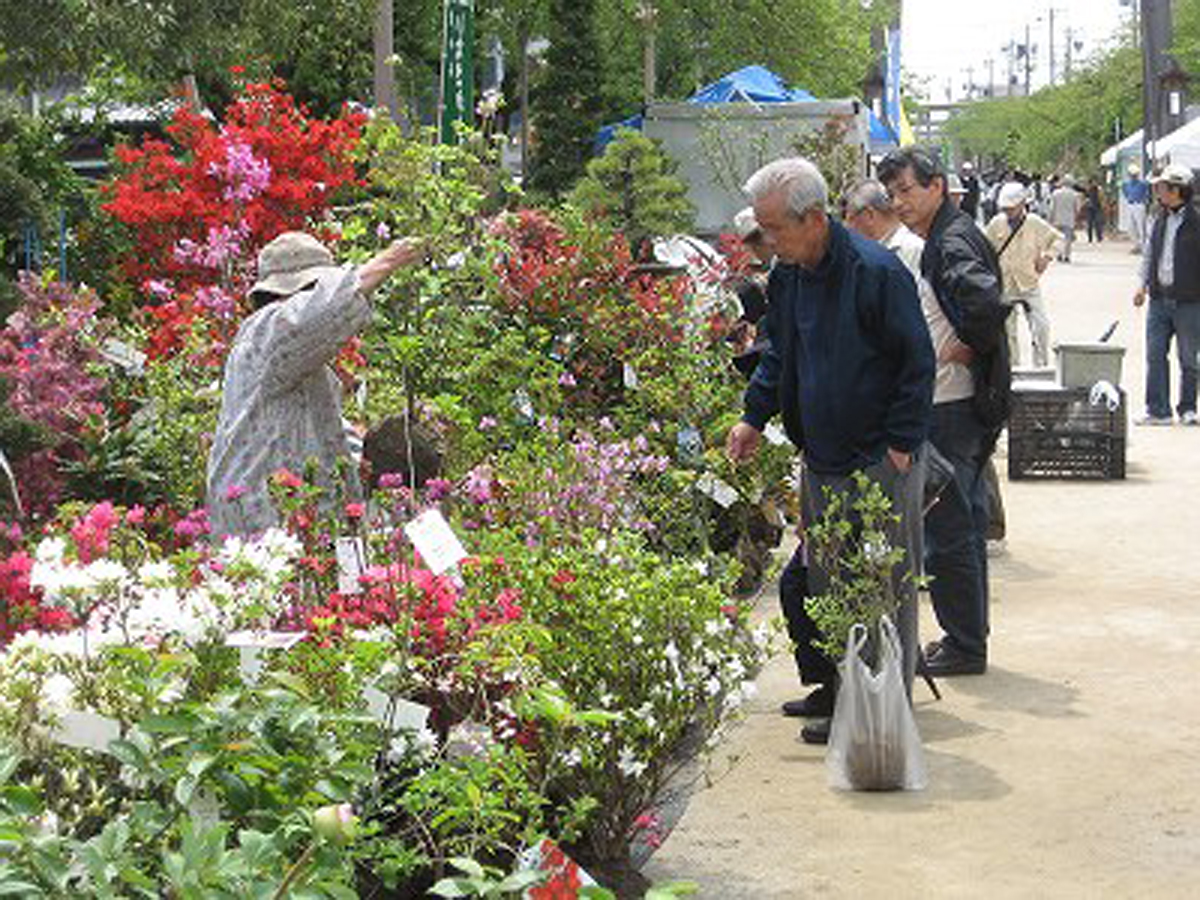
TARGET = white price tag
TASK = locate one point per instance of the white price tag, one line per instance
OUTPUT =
(438, 545)
(121, 354)
(251, 644)
(775, 434)
(405, 715)
(721, 492)
(86, 730)
(351, 560)
(630, 376)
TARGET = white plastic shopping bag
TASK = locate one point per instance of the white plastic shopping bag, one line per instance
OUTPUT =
(873, 740)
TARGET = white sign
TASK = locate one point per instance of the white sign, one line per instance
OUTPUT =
(351, 560)
(721, 492)
(438, 545)
(775, 434)
(121, 354)
(630, 376)
(397, 713)
(251, 644)
(86, 730)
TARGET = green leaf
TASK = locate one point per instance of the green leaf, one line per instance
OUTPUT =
(467, 865)
(173, 723)
(21, 800)
(453, 887)
(672, 889)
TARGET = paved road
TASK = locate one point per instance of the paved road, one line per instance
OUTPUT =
(1071, 769)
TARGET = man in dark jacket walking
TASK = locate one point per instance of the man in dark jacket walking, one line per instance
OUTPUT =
(850, 367)
(961, 266)
(1171, 276)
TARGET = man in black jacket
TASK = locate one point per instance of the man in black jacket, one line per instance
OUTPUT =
(1171, 276)
(850, 367)
(961, 266)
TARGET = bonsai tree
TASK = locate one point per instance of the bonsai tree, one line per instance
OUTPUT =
(633, 188)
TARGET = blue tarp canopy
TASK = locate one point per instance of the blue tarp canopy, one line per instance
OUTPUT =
(752, 84)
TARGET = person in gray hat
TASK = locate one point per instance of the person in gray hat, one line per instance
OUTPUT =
(1170, 277)
(281, 402)
(1063, 212)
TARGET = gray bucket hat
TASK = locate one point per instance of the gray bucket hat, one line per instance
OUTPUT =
(290, 262)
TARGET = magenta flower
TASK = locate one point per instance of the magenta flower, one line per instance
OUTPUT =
(355, 510)
(487, 423)
(566, 379)
(389, 481)
(234, 492)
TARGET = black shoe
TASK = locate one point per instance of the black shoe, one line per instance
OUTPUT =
(818, 703)
(941, 661)
(816, 731)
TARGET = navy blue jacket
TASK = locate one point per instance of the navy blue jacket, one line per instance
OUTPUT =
(850, 365)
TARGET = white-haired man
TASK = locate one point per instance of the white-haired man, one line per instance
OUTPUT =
(850, 369)
(281, 403)
(1025, 243)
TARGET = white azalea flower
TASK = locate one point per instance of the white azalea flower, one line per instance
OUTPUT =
(629, 764)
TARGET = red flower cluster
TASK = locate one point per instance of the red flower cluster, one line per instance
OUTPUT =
(20, 605)
(199, 208)
(432, 605)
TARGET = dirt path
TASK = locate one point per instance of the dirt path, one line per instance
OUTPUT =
(1071, 769)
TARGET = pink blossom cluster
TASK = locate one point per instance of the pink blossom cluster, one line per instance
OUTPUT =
(245, 174)
(221, 247)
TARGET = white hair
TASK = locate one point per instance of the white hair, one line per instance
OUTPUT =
(800, 181)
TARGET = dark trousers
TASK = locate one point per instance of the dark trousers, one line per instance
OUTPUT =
(800, 581)
(956, 530)
(1095, 225)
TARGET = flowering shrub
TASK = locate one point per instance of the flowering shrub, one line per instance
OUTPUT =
(199, 209)
(49, 357)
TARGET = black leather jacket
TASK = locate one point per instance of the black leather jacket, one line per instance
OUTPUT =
(960, 264)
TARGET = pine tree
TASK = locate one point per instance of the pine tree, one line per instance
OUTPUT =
(567, 104)
(634, 189)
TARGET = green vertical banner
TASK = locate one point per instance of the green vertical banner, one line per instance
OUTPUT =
(458, 66)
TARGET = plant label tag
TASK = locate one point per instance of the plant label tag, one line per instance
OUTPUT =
(629, 376)
(251, 644)
(351, 560)
(524, 407)
(689, 445)
(86, 730)
(396, 713)
(775, 435)
(121, 354)
(720, 492)
(438, 545)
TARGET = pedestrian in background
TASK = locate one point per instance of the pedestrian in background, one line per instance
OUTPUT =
(1170, 277)
(1063, 212)
(1025, 244)
(1137, 194)
(1094, 210)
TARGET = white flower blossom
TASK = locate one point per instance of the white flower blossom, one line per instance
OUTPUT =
(629, 764)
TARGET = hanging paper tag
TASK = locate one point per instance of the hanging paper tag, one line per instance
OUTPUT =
(121, 354)
(720, 492)
(775, 435)
(630, 376)
(438, 545)
(86, 730)
(524, 407)
(204, 808)
(399, 714)
(689, 445)
(351, 560)
(251, 644)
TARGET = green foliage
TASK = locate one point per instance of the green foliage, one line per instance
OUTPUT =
(632, 188)
(852, 543)
(567, 102)
(1061, 128)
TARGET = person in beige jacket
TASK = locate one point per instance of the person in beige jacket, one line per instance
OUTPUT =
(1026, 243)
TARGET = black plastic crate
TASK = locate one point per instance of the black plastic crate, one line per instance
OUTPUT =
(1059, 433)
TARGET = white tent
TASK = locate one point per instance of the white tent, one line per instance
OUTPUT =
(1181, 146)
(1110, 156)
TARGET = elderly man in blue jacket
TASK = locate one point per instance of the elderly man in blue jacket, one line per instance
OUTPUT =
(850, 368)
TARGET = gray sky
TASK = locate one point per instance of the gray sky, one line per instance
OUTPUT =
(943, 39)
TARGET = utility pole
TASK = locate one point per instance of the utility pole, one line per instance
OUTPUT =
(1070, 40)
(1028, 58)
(647, 15)
(384, 51)
(1052, 46)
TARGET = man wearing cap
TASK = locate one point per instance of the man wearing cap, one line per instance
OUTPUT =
(1137, 194)
(1063, 210)
(1170, 275)
(961, 267)
(1025, 243)
(281, 403)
